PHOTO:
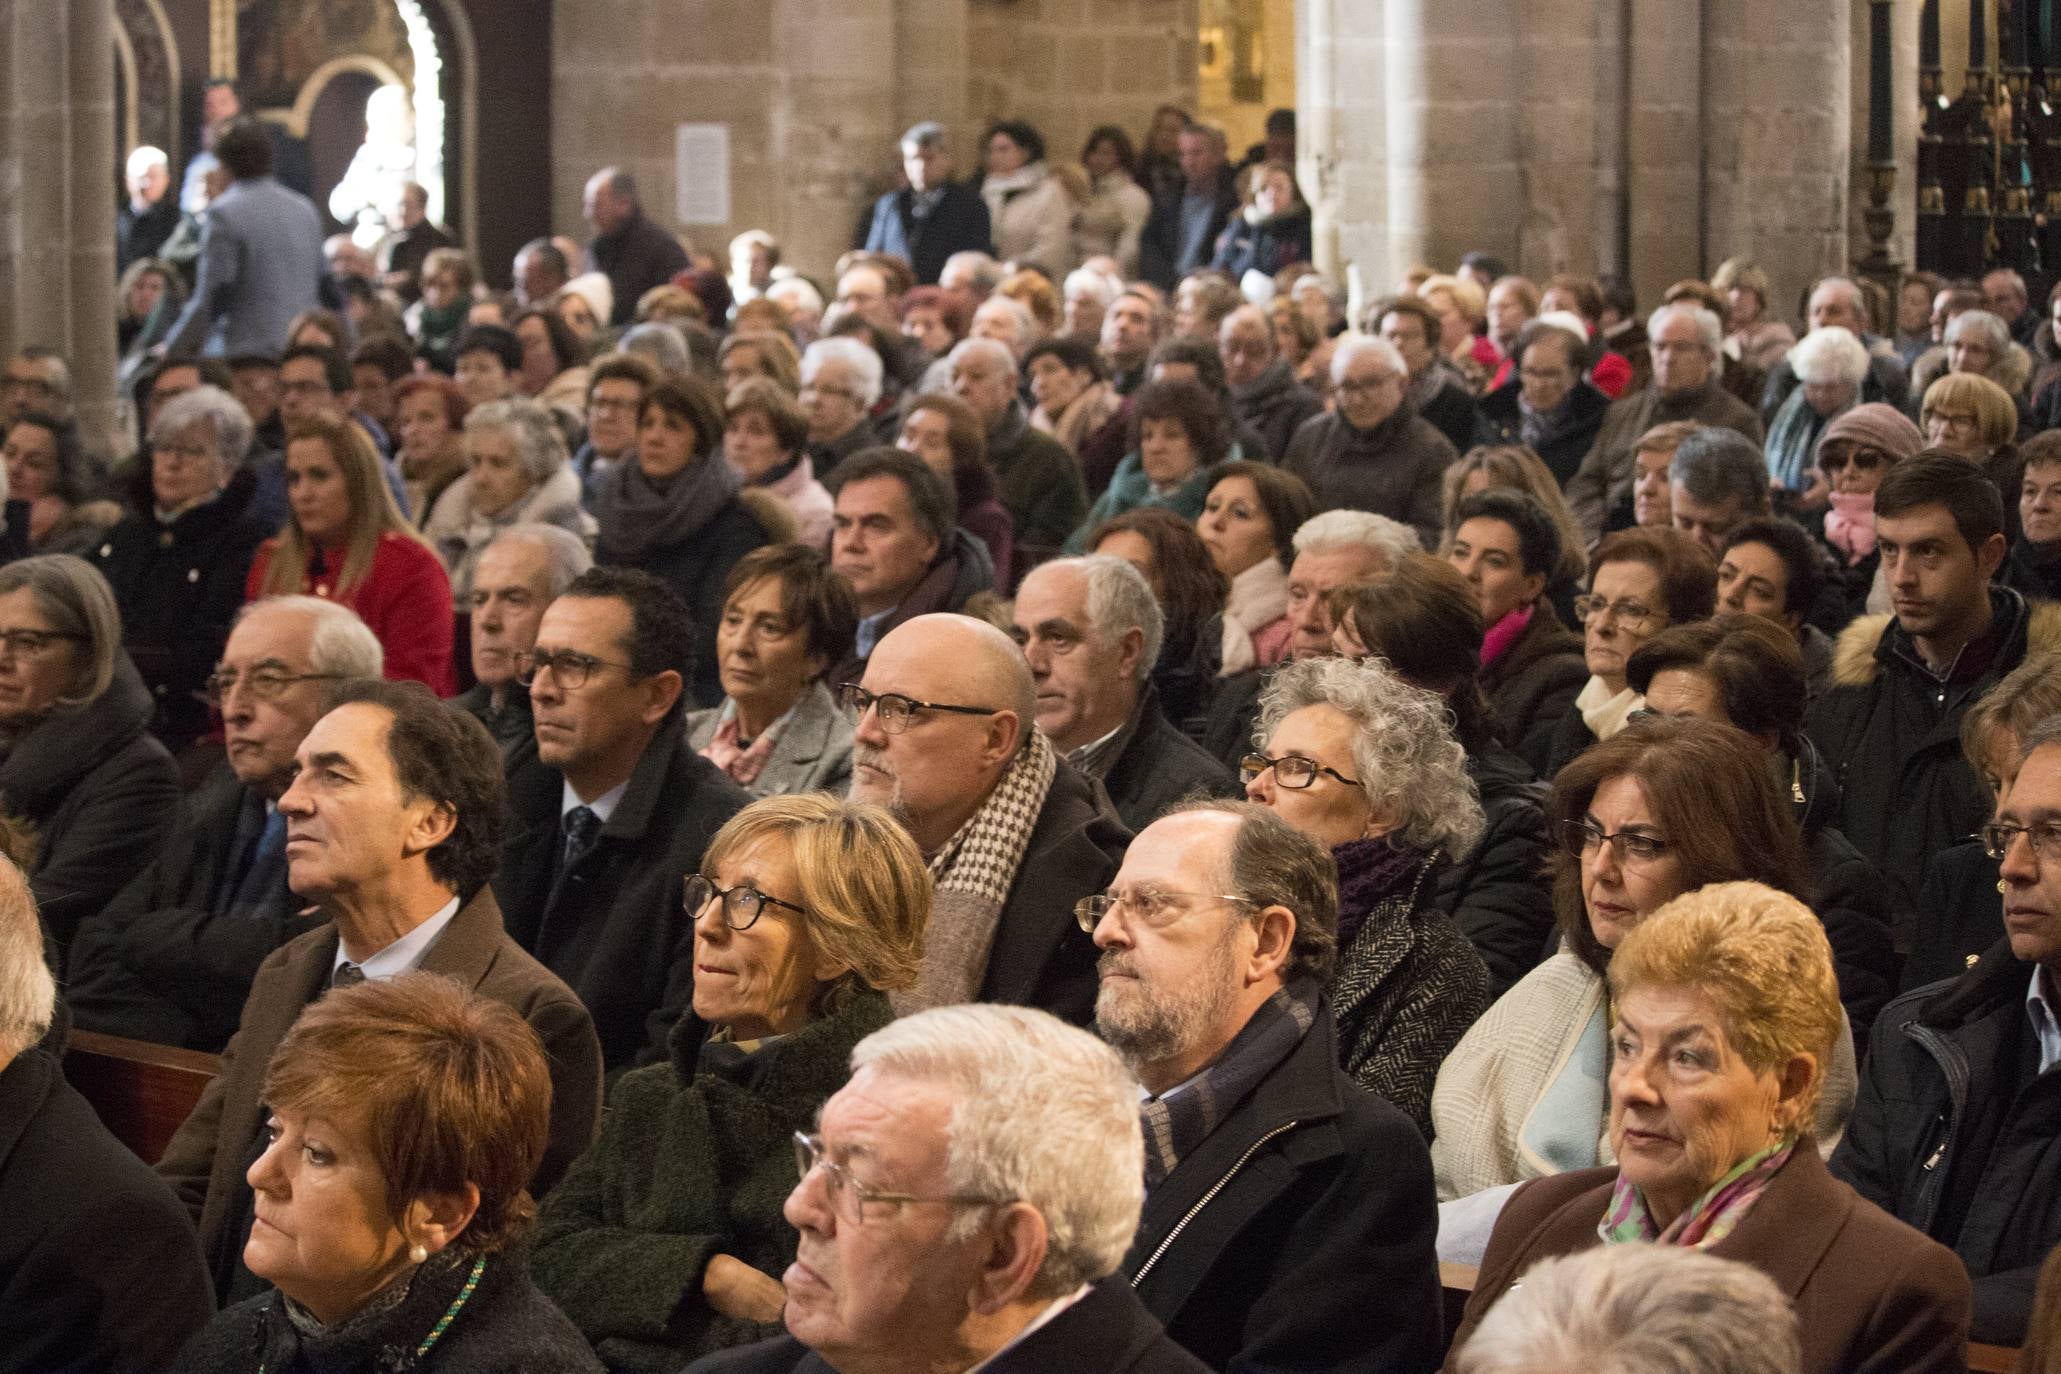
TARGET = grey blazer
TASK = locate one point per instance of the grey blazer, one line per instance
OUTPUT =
(813, 753)
(260, 265)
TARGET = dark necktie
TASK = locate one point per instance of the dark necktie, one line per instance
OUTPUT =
(582, 828)
(347, 975)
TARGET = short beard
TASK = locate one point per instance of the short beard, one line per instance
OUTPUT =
(896, 804)
(1155, 1025)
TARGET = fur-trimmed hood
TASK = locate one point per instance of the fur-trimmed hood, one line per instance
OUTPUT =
(1857, 656)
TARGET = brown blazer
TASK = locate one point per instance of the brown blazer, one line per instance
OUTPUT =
(206, 1160)
(1871, 1293)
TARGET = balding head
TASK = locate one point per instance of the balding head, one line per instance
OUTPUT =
(936, 770)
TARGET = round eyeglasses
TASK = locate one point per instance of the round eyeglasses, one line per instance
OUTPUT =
(742, 905)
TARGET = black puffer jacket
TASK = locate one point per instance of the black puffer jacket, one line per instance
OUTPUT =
(102, 794)
(1955, 1133)
(1856, 903)
(1501, 896)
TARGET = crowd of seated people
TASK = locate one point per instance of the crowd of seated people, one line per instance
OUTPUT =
(1040, 800)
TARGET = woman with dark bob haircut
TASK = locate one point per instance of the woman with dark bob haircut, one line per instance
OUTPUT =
(1178, 568)
(1178, 432)
(407, 1116)
(1662, 808)
(787, 620)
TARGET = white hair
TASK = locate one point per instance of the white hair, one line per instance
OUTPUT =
(1338, 528)
(1409, 764)
(146, 157)
(1709, 329)
(987, 273)
(28, 992)
(662, 342)
(1637, 1309)
(539, 447)
(806, 297)
(567, 551)
(1087, 281)
(1831, 355)
(1027, 330)
(853, 354)
(1352, 345)
(339, 643)
(993, 348)
(209, 405)
(1042, 1113)
(1119, 601)
(1991, 326)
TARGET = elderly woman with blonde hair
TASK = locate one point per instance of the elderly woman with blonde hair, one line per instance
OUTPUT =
(1367, 765)
(1724, 1015)
(666, 1240)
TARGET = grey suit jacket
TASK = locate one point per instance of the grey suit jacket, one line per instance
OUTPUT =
(260, 265)
(812, 754)
(205, 1161)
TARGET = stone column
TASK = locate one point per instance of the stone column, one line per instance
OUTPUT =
(57, 205)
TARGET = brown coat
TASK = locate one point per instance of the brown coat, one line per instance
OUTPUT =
(206, 1160)
(1871, 1294)
(1605, 477)
(1535, 681)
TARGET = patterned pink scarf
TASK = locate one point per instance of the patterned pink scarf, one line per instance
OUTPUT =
(1850, 524)
(741, 761)
(1709, 1219)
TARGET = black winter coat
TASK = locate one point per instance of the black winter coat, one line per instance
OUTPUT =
(1274, 405)
(1299, 1234)
(1567, 441)
(505, 1327)
(1534, 682)
(1396, 469)
(695, 568)
(1953, 1133)
(1453, 412)
(1265, 245)
(102, 794)
(1160, 767)
(100, 1272)
(1960, 914)
(1159, 243)
(163, 963)
(1891, 733)
(1856, 904)
(613, 928)
(179, 587)
(957, 224)
(1501, 895)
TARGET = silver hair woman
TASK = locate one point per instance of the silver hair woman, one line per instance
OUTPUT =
(516, 474)
(1358, 760)
(79, 764)
(1830, 364)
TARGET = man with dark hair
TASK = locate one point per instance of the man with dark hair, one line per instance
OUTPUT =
(632, 252)
(893, 536)
(260, 257)
(620, 811)
(1890, 726)
(932, 217)
(540, 272)
(1132, 327)
(38, 381)
(393, 826)
(1436, 388)
(1264, 395)
(1289, 1214)
(1769, 567)
(1181, 233)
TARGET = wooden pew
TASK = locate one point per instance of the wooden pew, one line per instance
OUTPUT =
(1458, 1282)
(141, 1091)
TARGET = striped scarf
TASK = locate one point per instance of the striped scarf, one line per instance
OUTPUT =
(1180, 1120)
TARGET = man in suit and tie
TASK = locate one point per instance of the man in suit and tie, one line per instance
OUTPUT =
(260, 257)
(393, 826)
(604, 832)
(171, 959)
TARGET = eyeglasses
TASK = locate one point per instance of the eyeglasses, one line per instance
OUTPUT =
(1956, 422)
(264, 684)
(188, 453)
(35, 384)
(2045, 839)
(817, 389)
(1150, 905)
(608, 405)
(1834, 457)
(34, 643)
(894, 711)
(742, 904)
(1630, 614)
(1582, 838)
(1290, 770)
(571, 671)
(851, 1199)
(1366, 386)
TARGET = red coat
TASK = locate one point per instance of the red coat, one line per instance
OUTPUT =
(405, 599)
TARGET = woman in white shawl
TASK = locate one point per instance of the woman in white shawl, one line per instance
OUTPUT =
(1030, 211)
(1248, 524)
(516, 474)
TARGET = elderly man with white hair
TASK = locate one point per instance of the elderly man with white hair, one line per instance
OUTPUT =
(1687, 343)
(514, 580)
(946, 736)
(1374, 452)
(1091, 629)
(965, 1203)
(1837, 301)
(151, 212)
(99, 1267)
(1039, 481)
(1087, 296)
(1831, 364)
(518, 473)
(841, 380)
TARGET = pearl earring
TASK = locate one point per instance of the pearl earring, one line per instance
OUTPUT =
(418, 1252)
(2000, 884)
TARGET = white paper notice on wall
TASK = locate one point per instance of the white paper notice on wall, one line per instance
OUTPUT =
(701, 172)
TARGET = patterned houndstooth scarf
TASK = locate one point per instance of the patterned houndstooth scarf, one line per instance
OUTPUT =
(974, 872)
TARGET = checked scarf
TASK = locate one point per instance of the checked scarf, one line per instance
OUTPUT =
(974, 872)
(1176, 1123)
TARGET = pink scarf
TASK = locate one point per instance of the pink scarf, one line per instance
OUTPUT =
(742, 762)
(1850, 524)
(1504, 633)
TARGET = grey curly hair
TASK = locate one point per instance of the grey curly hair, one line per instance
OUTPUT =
(538, 444)
(1408, 762)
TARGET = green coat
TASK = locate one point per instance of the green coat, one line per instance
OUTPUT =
(695, 1160)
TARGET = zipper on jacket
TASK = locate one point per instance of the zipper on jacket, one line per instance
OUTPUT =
(1206, 1199)
(1954, 1066)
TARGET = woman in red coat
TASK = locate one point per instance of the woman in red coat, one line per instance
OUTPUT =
(346, 541)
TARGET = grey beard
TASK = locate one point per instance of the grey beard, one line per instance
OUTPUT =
(1153, 1025)
(896, 805)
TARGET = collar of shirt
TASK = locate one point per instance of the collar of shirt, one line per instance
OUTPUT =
(602, 806)
(2045, 1025)
(1086, 753)
(404, 953)
(1052, 1310)
(869, 630)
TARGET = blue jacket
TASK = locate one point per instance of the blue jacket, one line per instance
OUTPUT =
(260, 265)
